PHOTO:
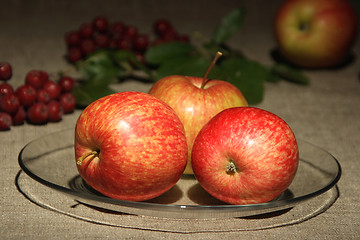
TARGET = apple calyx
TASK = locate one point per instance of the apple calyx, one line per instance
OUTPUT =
(92, 153)
(303, 27)
(205, 79)
(231, 168)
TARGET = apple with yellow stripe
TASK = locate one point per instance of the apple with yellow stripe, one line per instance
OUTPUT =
(245, 155)
(196, 100)
(315, 33)
(130, 146)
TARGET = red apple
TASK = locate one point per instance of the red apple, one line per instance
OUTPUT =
(315, 33)
(245, 155)
(196, 100)
(130, 146)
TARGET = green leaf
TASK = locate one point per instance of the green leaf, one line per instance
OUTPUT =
(289, 73)
(127, 60)
(247, 75)
(163, 52)
(182, 65)
(230, 24)
(88, 92)
(100, 67)
(272, 77)
(171, 67)
(122, 55)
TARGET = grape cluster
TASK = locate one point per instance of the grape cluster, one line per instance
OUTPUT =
(39, 100)
(100, 33)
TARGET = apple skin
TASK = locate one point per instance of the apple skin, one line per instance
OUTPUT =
(315, 33)
(195, 105)
(140, 146)
(245, 155)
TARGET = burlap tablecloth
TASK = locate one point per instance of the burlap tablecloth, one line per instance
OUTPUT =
(326, 113)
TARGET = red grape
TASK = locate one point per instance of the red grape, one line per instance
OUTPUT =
(102, 40)
(68, 102)
(87, 46)
(38, 113)
(141, 42)
(5, 121)
(101, 24)
(26, 95)
(74, 54)
(86, 30)
(19, 117)
(5, 89)
(66, 83)
(9, 103)
(53, 89)
(44, 75)
(35, 79)
(117, 28)
(73, 38)
(162, 26)
(170, 35)
(130, 32)
(124, 44)
(42, 96)
(55, 111)
(5, 71)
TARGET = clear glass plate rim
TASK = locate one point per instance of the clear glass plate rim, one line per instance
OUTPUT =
(259, 206)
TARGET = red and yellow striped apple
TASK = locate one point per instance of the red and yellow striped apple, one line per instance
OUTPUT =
(130, 146)
(315, 33)
(196, 100)
(245, 155)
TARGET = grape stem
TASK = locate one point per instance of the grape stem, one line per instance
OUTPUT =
(205, 79)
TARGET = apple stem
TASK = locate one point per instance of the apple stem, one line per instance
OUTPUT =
(81, 159)
(231, 168)
(205, 79)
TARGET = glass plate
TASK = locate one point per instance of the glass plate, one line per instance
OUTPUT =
(50, 161)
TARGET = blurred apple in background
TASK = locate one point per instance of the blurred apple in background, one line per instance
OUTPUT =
(196, 100)
(130, 146)
(245, 155)
(315, 33)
